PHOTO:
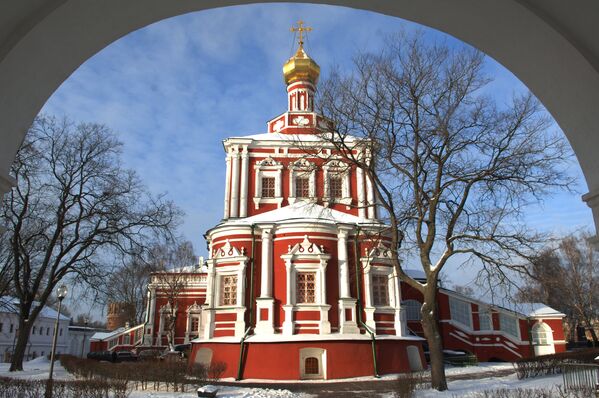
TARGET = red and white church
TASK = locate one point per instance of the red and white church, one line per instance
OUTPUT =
(296, 284)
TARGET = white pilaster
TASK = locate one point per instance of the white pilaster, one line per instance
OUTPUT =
(227, 186)
(288, 307)
(266, 269)
(342, 261)
(370, 197)
(245, 161)
(360, 189)
(234, 211)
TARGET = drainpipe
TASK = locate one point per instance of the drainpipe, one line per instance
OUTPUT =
(359, 302)
(251, 305)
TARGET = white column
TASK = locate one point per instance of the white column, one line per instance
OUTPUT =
(370, 197)
(360, 188)
(243, 204)
(227, 185)
(266, 269)
(234, 185)
(342, 260)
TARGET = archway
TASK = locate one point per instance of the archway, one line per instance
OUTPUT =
(549, 46)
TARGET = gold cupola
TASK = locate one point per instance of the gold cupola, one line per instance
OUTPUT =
(301, 67)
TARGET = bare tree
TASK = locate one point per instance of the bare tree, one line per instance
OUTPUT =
(73, 203)
(567, 279)
(172, 263)
(452, 171)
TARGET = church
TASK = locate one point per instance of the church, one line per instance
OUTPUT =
(298, 283)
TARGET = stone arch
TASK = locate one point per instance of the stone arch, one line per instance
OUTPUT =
(541, 44)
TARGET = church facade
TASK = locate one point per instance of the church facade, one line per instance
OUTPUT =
(298, 283)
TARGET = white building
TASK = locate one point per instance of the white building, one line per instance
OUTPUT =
(40, 339)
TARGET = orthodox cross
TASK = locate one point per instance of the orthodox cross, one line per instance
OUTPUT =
(301, 29)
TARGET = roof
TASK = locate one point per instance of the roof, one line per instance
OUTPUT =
(303, 211)
(529, 310)
(107, 335)
(415, 273)
(10, 304)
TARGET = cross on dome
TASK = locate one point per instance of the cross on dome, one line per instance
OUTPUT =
(301, 29)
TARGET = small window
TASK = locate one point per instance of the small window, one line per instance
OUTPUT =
(508, 324)
(268, 187)
(126, 339)
(33, 331)
(1, 327)
(11, 328)
(306, 287)
(302, 187)
(47, 331)
(60, 334)
(460, 311)
(311, 366)
(380, 290)
(195, 324)
(484, 319)
(335, 187)
(228, 290)
(412, 310)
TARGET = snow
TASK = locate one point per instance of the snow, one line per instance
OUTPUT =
(226, 392)
(467, 388)
(290, 137)
(107, 335)
(36, 369)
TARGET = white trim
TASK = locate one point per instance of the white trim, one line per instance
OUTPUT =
(245, 161)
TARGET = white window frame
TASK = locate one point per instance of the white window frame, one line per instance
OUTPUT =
(386, 277)
(456, 311)
(302, 168)
(504, 316)
(336, 167)
(412, 307)
(485, 313)
(321, 355)
(268, 167)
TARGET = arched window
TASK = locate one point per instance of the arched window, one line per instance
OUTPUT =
(412, 310)
(311, 366)
(540, 334)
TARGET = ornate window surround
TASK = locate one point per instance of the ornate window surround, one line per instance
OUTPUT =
(306, 257)
(268, 167)
(236, 262)
(338, 167)
(194, 311)
(302, 168)
(377, 261)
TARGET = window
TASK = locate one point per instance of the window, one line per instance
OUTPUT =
(539, 336)
(1, 327)
(460, 311)
(508, 324)
(311, 366)
(60, 334)
(228, 290)
(195, 324)
(268, 187)
(484, 319)
(335, 187)
(412, 310)
(112, 343)
(33, 331)
(126, 339)
(11, 328)
(302, 187)
(47, 331)
(306, 287)
(380, 290)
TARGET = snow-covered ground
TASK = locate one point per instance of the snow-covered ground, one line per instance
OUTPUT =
(39, 368)
(36, 369)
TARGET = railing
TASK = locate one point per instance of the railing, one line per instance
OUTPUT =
(580, 376)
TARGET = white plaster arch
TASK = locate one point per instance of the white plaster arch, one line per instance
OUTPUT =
(550, 45)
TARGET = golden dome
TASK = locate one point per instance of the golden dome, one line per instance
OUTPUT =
(301, 67)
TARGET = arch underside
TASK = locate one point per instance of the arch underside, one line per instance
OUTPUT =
(551, 46)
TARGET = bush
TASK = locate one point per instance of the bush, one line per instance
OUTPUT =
(558, 392)
(170, 375)
(406, 384)
(551, 364)
(16, 388)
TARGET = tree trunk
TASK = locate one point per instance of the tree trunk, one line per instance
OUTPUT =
(594, 336)
(432, 333)
(16, 363)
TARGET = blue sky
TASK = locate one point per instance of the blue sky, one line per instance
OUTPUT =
(174, 90)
